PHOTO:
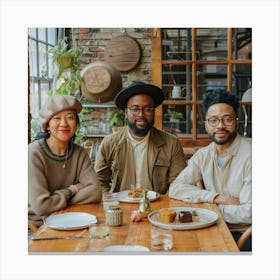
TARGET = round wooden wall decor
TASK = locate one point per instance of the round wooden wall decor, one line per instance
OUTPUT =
(97, 79)
(123, 52)
(100, 82)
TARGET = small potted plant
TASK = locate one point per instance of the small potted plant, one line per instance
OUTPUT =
(117, 120)
(173, 116)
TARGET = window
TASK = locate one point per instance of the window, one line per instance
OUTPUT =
(188, 63)
(39, 40)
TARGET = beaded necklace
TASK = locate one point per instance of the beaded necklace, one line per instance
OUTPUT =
(60, 158)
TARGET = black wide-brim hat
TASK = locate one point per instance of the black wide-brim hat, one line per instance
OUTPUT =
(135, 88)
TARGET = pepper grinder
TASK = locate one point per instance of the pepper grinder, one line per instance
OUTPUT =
(144, 204)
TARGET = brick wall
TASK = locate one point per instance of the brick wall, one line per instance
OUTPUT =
(94, 40)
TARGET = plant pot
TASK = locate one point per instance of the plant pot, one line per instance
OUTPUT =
(174, 120)
(65, 61)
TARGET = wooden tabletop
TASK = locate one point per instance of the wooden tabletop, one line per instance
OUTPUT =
(215, 238)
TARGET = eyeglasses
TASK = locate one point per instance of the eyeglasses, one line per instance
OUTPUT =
(135, 111)
(226, 120)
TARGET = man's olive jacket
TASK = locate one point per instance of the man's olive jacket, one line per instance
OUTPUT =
(114, 163)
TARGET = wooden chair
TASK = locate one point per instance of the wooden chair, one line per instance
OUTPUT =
(243, 238)
(245, 235)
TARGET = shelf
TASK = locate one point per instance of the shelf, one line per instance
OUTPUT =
(103, 105)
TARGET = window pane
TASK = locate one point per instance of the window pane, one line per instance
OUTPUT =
(177, 81)
(211, 77)
(212, 43)
(32, 58)
(42, 34)
(34, 100)
(177, 119)
(44, 92)
(32, 32)
(42, 58)
(176, 44)
(242, 79)
(52, 36)
(242, 43)
(38, 98)
(51, 66)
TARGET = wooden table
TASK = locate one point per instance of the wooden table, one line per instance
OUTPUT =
(215, 238)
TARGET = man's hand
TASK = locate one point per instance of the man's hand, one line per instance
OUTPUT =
(226, 199)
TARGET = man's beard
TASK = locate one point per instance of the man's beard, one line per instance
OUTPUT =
(140, 131)
(231, 136)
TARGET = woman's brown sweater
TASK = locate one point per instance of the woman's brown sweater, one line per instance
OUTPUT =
(48, 180)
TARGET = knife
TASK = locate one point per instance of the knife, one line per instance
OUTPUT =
(58, 237)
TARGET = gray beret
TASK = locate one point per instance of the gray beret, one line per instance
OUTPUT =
(55, 104)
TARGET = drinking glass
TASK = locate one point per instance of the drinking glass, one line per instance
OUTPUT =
(110, 199)
(161, 239)
(132, 188)
(99, 231)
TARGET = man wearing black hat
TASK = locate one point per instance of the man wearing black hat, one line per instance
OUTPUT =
(224, 166)
(139, 154)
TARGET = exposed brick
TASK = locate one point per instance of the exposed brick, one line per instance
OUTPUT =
(83, 36)
(84, 30)
(94, 30)
(94, 41)
(101, 55)
(143, 30)
(147, 35)
(88, 55)
(96, 49)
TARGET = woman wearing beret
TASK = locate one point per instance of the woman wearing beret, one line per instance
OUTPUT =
(59, 172)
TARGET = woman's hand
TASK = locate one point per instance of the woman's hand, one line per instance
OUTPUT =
(76, 188)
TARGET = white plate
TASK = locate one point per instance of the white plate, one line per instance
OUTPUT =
(123, 197)
(206, 218)
(70, 220)
(126, 248)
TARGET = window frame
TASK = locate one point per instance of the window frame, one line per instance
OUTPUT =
(194, 138)
(36, 79)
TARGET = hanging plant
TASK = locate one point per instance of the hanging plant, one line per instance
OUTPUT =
(66, 74)
(65, 61)
(64, 56)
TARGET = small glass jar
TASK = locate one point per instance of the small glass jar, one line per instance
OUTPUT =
(114, 216)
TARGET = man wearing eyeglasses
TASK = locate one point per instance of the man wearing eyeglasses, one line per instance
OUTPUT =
(224, 166)
(139, 154)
